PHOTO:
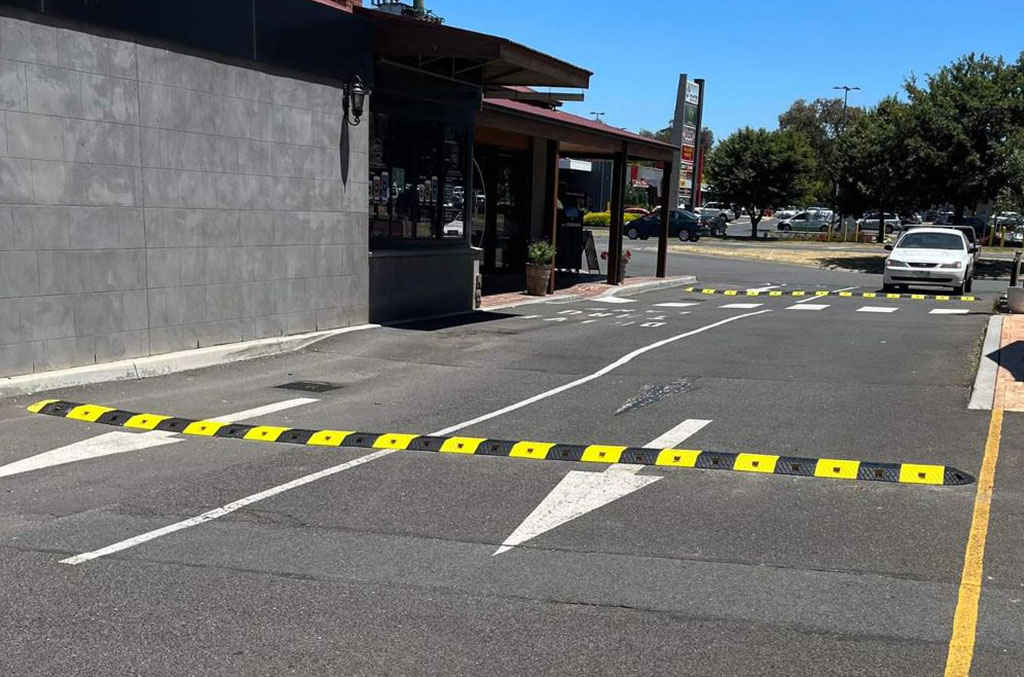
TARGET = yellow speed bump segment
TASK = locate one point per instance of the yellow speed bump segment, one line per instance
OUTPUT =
(768, 464)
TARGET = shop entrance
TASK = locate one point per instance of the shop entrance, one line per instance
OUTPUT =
(501, 217)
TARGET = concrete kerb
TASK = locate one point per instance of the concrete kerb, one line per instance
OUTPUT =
(169, 363)
(644, 287)
(626, 291)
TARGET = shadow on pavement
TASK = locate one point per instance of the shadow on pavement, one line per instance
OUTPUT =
(1011, 358)
(873, 265)
(993, 269)
(464, 320)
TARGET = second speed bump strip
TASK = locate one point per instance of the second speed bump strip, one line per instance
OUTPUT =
(825, 468)
(826, 292)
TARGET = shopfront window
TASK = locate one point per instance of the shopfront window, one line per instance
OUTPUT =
(416, 181)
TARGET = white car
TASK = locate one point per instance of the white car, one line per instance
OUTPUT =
(715, 211)
(930, 257)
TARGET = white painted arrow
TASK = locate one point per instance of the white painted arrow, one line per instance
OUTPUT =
(581, 492)
(123, 442)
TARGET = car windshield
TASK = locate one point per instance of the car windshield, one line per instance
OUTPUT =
(931, 241)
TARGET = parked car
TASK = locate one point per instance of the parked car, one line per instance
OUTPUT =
(807, 221)
(636, 210)
(682, 224)
(786, 212)
(715, 210)
(870, 222)
(930, 257)
(911, 219)
(1015, 238)
(1009, 219)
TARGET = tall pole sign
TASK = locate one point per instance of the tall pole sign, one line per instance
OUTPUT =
(698, 151)
(678, 140)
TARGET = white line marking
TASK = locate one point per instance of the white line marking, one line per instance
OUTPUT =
(528, 317)
(222, 511)
(950, 311)
(878, 309)
(578, 493)
(614, 299)
(556, 319)
(809, 306)
(680, 304)
(119, 442)
(231, 507)
(742, 306)
(984, 391)
(587, 321)
(652, 325)
(834, 291)
(767, 287)
(600, 315)
(669, 440)
(625, 359)
(570, 312)
(679, 434)
(625, 324)
(581, 492)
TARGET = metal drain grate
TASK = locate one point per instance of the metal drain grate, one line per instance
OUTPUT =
(310, 386)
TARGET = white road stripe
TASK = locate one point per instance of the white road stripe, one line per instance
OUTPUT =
(624, 360)
(669, 440)
(223, 510)
(767, 287)
(815, 298)
(679, 434)
(613, 299)
(809, 306)
(581, 492)
(878, 309)
(119, 442)
(274, 491)
(950, 311)
(680, 304)
(742, 306)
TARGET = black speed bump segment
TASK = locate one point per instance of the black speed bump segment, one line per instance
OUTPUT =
(769, 464)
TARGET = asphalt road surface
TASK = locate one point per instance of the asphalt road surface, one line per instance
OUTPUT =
(152, 553)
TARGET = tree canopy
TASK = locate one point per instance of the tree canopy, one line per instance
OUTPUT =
(759, 169)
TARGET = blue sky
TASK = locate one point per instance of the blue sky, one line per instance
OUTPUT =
(757, 56)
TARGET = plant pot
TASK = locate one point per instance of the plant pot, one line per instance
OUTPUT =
(537, 278)
(1015, 299)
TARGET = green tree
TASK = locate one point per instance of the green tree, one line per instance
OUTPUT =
(758, 169)
(880, 162)
(820, 123)
(970, 113)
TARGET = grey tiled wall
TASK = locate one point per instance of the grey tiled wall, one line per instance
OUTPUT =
(153, 201)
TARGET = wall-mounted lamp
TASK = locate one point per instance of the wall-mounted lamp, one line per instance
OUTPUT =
(354, 100)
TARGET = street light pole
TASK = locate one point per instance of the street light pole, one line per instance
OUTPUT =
(835, 194)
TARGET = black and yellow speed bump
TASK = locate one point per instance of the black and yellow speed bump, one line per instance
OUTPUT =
(769, 464)
(826, 292)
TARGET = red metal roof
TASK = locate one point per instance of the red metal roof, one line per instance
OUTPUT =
(570, 119)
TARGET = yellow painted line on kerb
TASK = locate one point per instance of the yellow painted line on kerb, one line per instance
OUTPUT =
(965, 619)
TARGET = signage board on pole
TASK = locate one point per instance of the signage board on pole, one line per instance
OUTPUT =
(692, 93)
(689, 135)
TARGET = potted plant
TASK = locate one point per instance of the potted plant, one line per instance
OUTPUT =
(540, 257)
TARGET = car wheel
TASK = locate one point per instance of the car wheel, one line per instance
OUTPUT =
(888, 288)
(823, 229)
(782, 227)
(694, 235)
(959, 289)
(632, 233)
(969, 281)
